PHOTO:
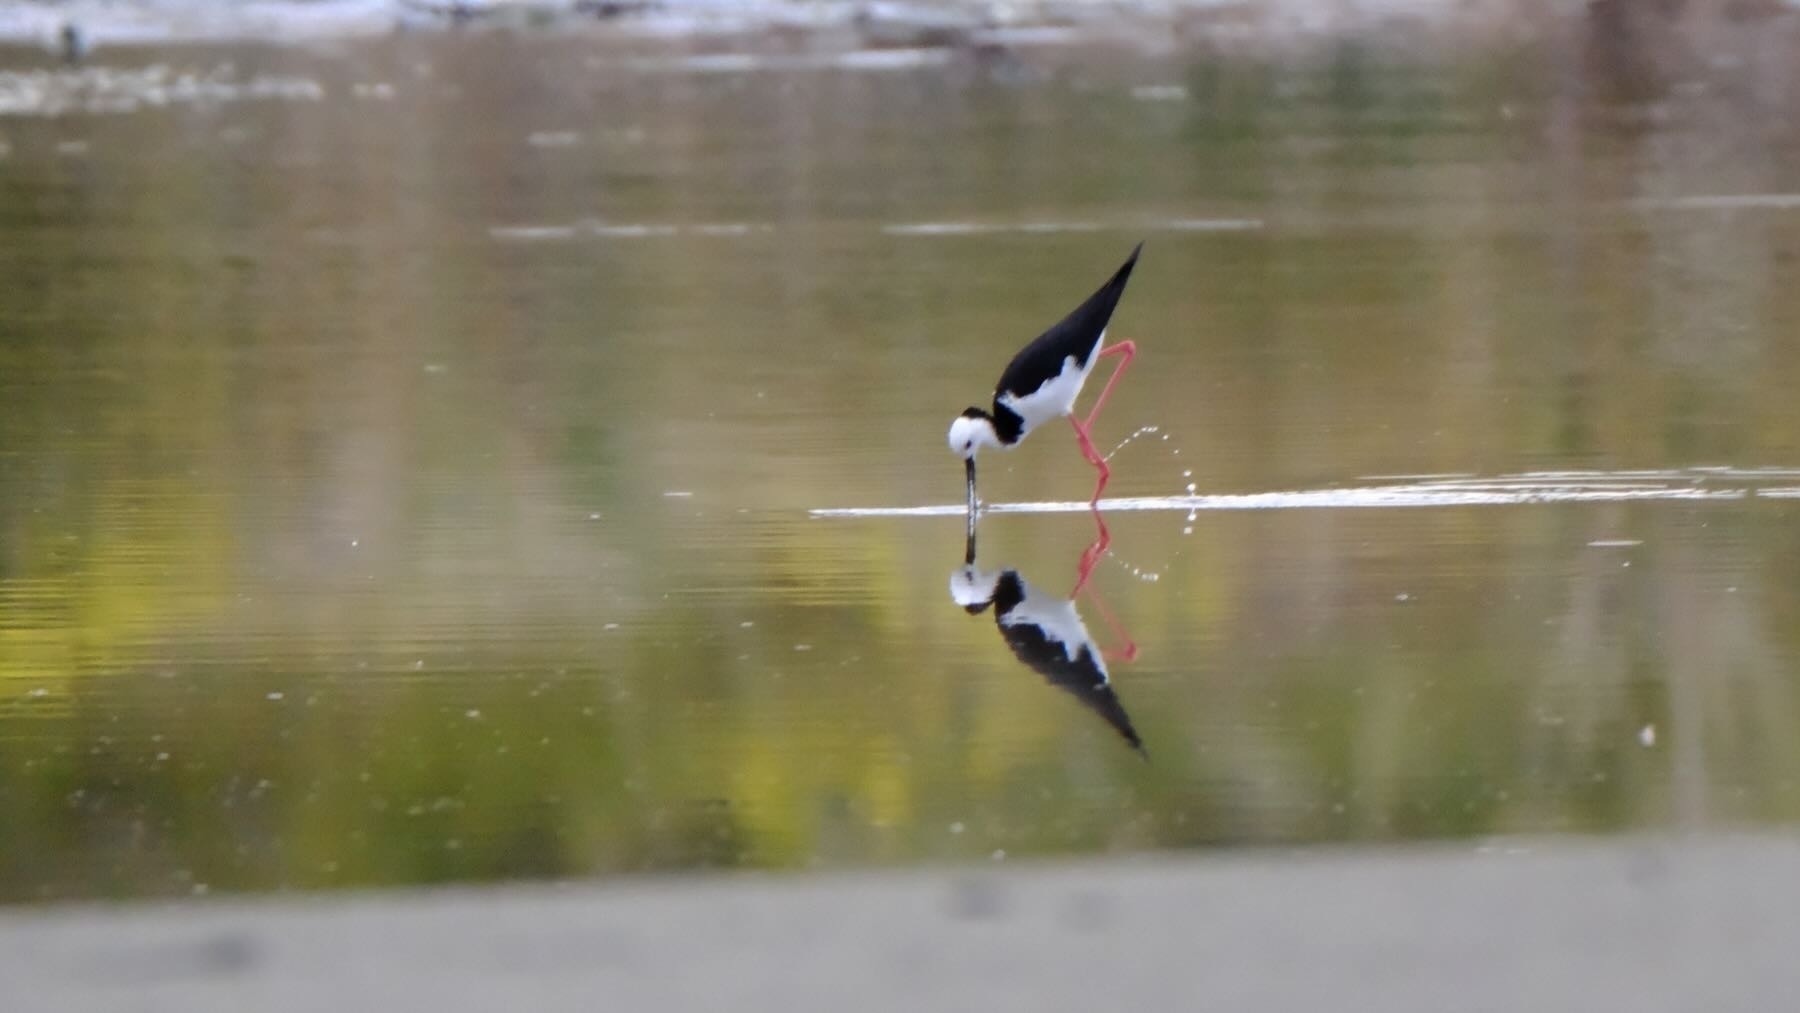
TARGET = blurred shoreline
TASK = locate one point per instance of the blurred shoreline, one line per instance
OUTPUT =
(1641, 924)
(74, 27)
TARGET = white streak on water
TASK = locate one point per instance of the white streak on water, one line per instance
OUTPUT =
(749, 63)
(1722, 202)
(553, 139)
(591, 229)
(1208, 224)
(1568, 487)
(106, 90)
(1044, 228)
(631, 231)
(1160, 93)
(532, 233)
(980, 228)
(891, 59)
(727, 229)
(621, 230)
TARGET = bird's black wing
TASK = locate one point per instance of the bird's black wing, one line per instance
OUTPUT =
(1075, 334)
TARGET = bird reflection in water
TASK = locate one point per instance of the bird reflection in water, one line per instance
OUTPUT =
(1046, 633)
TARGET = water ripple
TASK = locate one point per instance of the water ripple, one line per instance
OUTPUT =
(1500, 490)
(50, 93)
(1041, 228)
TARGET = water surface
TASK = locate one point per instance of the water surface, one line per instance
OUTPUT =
(409, 466)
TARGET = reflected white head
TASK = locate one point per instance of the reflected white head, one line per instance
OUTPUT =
(971, 588)
(971, 431)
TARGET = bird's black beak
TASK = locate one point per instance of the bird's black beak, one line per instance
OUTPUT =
(969, 467)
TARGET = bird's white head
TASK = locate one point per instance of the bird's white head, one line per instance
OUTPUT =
(968, 433)
(971, 431)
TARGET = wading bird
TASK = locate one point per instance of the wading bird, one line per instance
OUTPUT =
(1043, 381)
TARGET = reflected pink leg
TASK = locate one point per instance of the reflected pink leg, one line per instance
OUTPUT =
(1128, 651)
(1090, 557)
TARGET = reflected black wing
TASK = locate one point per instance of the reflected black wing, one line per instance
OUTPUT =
(1081, 676)
(1074, 335)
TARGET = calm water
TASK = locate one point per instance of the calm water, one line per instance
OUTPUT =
(408, 463)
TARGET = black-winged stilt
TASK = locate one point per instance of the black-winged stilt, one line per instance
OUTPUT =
(1044, 379)
(1046, 634)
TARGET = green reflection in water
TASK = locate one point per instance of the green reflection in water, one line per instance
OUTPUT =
(386, 498)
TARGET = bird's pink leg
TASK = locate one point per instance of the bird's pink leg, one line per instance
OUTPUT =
(1126, 350)
(1093, 458)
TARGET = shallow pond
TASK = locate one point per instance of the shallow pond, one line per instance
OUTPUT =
(484, 457)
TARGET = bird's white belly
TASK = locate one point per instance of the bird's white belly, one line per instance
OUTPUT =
(1054, 399)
